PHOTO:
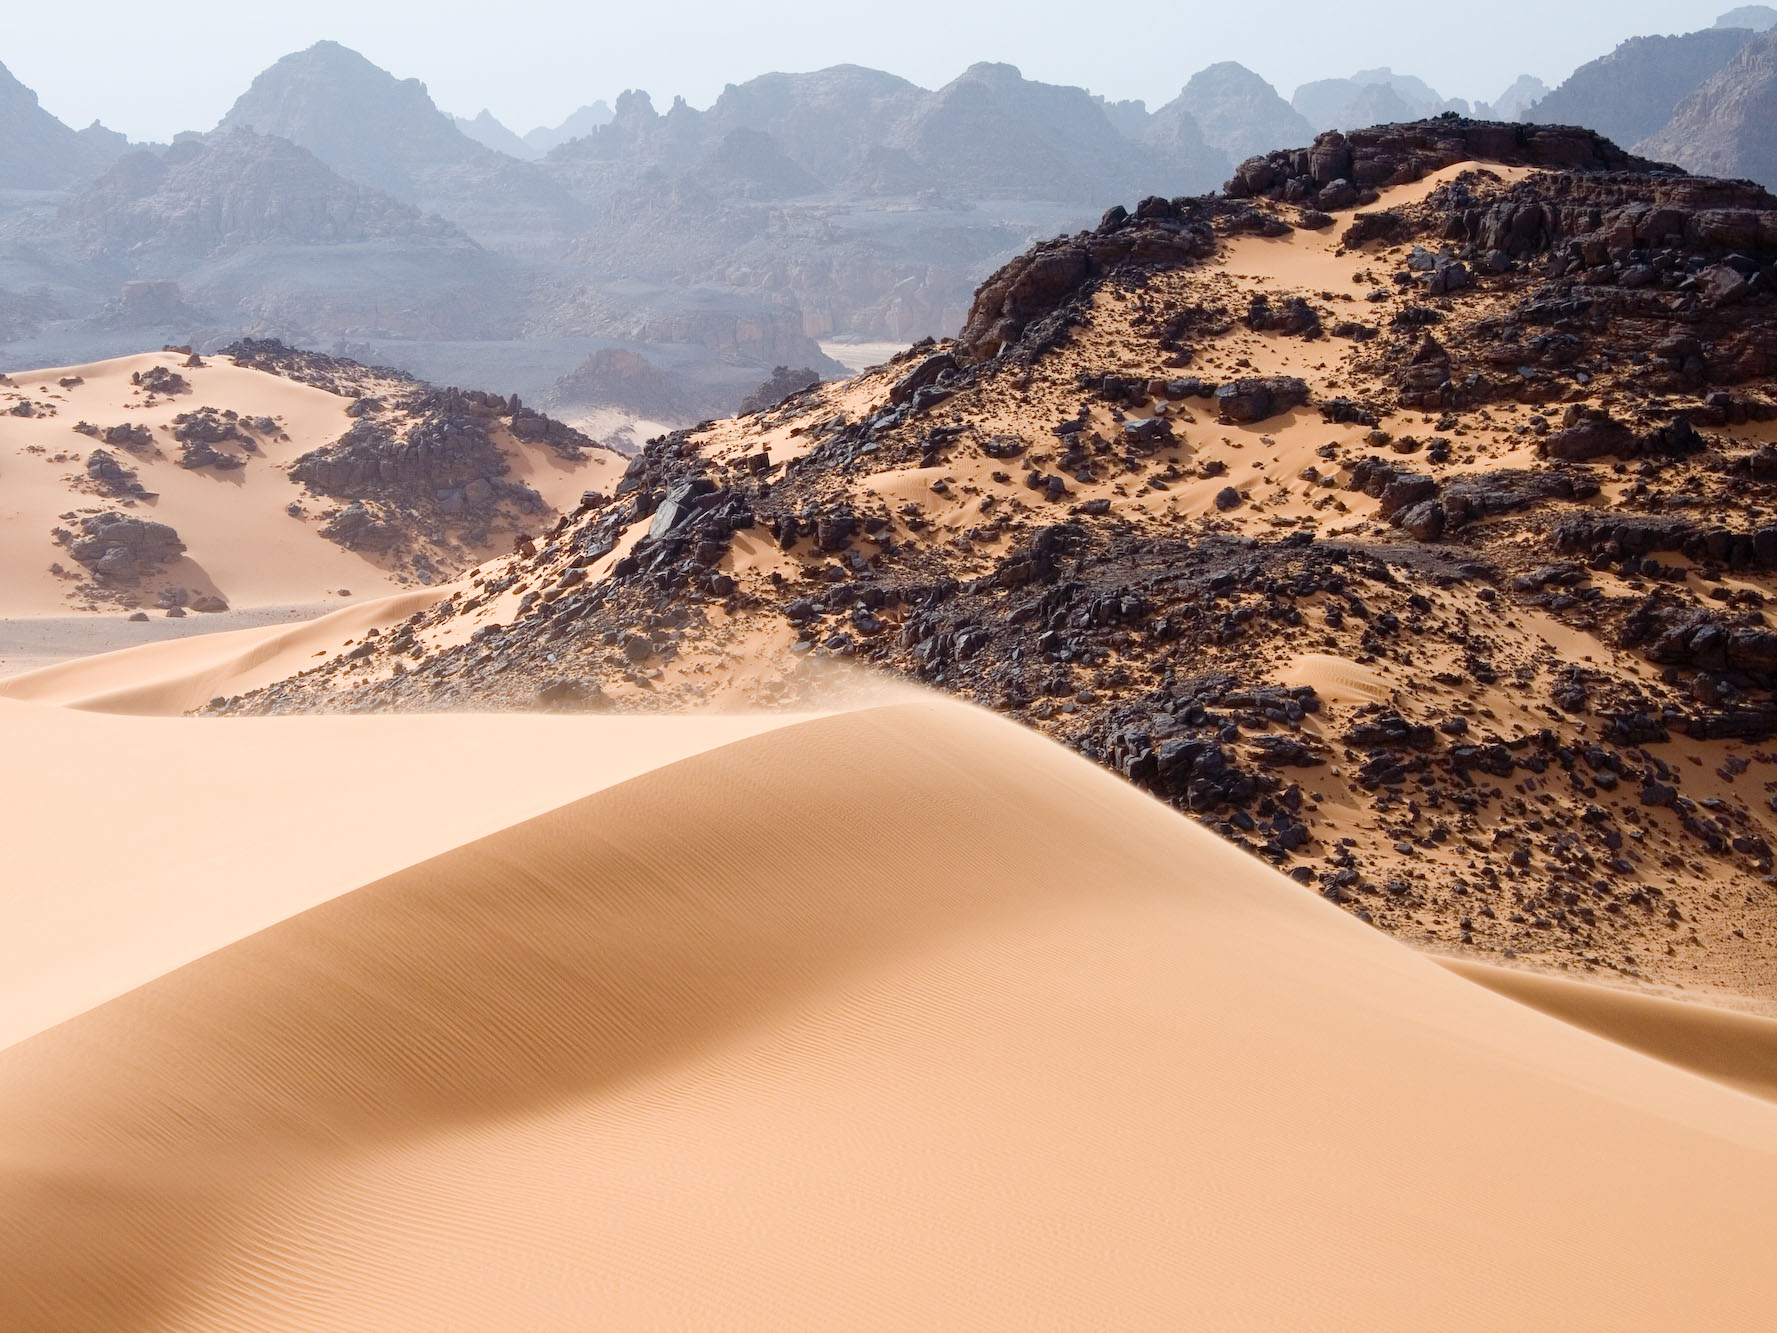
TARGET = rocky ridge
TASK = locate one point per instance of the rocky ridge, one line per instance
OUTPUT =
(1421, 549)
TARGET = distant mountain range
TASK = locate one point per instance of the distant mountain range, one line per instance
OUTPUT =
(336, 205)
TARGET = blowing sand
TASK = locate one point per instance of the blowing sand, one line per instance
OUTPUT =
(894, 1017)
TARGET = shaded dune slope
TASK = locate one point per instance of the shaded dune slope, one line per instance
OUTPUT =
(900, 1017)
(1734, 1048)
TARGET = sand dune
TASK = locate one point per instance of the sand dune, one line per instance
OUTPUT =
(178, 675)
(900, 1017)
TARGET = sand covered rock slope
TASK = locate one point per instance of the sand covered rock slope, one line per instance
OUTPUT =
(262, 476)
(1406, 513)
(899, 1016)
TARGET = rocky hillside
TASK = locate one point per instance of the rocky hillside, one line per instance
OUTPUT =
(1630, 93)
(1407, 515)
(1723, 128)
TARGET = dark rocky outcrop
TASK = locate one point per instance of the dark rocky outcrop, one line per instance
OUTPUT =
(112, 477)
(1249, 400)
(783, 383)
(1337, 170)
(120, 548)
(1034, 291)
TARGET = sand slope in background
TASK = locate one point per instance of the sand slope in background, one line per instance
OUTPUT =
(902, 1017)
(178, 675)
(242, 542)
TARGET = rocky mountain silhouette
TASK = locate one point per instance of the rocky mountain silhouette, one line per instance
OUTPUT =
(1370, 97)
(1235, 110)
(1760, 18)
(362, 121)
(707, 246)
(1525, 92)
(38, 152)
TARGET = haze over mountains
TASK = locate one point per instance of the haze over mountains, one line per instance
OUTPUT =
(638, 262)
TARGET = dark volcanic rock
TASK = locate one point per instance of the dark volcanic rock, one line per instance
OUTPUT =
(120, 547)
(1250, 400)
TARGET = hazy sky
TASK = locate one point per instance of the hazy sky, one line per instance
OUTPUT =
(151, 70)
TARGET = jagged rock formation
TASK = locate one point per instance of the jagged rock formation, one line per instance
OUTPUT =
(119, 548)
(1490, 575)
(1723, 127)
(377, 130)
(1238, 113)
(38, 152)
(709, 244)
(781, 385)
(852, 200)
(1630, 93)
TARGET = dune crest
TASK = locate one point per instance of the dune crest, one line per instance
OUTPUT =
(899, 1017)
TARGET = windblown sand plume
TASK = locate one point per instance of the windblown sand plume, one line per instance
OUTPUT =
(894, 1017)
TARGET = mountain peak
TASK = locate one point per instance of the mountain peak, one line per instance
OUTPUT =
(355, 116)
(1238, 112)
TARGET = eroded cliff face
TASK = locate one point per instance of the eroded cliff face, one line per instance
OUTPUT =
(1722, 128)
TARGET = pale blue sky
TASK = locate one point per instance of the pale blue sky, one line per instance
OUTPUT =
(151, 70)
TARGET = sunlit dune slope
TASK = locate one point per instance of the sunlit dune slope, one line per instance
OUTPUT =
(902, 1017)
(177, 675)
